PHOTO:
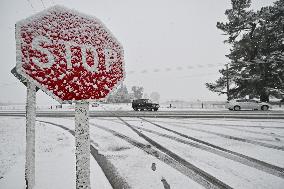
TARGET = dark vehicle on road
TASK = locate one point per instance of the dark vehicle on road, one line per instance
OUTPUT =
(144, 104)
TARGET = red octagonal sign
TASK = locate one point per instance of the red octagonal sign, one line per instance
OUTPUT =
(69, 55)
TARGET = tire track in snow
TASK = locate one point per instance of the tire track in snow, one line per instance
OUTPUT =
(177, 162)
(240, 158)
(116, 181)
(232, 137)
(228, 127)
(243, 126)
(270, 166)
(253, 121)
(235, 156)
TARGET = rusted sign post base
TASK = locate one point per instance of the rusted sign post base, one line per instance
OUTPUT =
(82, 142)
(30, 135)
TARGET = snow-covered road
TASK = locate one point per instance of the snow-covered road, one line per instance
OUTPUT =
(150, 153)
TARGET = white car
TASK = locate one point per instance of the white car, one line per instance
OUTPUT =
(247, 104)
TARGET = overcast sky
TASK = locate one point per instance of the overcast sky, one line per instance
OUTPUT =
(171, 46)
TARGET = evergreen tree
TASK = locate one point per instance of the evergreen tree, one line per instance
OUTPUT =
(120, 95)
(137, 91)
(257, 53)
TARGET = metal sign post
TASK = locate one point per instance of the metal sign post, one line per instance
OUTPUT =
(30, 135)
(82, 142)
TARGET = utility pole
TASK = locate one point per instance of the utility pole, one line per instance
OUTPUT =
(227, 82)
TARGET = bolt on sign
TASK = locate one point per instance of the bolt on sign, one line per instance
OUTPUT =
(72, 57)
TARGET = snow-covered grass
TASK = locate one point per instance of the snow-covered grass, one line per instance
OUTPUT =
(55, 157)
(127, 107)
(232, 173)
(200, 129)
(136, 160)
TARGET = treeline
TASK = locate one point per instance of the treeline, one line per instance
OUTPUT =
(123, 95)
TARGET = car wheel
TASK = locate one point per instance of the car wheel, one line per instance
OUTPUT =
(141, 109)
(136, 109)
(264, 108)
(237, 108)
(156, 109)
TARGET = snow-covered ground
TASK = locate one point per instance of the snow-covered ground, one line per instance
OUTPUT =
(128, 107)
(55, 157)
(240, 153)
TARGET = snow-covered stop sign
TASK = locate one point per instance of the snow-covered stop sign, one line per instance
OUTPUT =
(69, 55)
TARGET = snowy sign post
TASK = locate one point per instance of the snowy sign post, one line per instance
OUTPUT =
(72, 57)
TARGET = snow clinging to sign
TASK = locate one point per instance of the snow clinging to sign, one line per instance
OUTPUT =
(69, 55)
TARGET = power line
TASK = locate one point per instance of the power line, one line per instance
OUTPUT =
(199, 75)
(178, 68)
(248, 63)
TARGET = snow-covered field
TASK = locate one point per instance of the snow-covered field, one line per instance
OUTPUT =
(127, 107)
(149, 153)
